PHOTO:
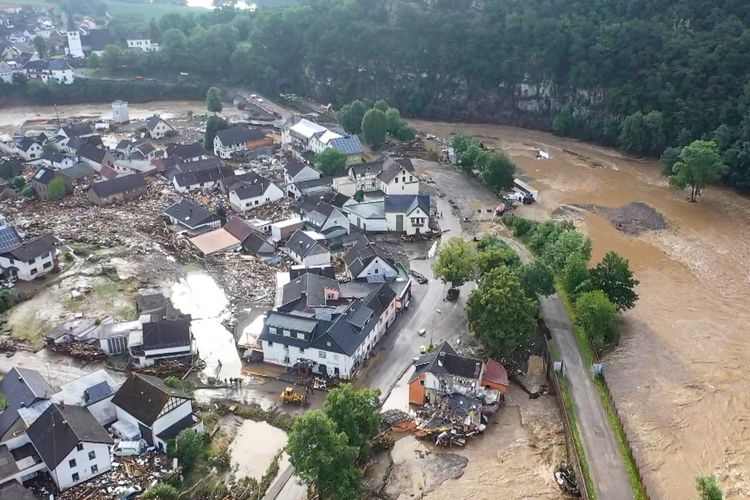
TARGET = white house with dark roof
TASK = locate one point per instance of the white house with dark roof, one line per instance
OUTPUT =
(240, 139)
(300, 135)
(29, 149)
(142, 43)
(32, 258)
(161, 340)
(324, 218)
(187, 152)
(71, 443)
(298, 171)
(202, 179)
(367, 215)
(94, 392)
(188, 215)
(250, 190)
(310, 292)
(398, 177)
(56, 71)
(157, 127)
(364, 262)
(146, 407)
(409, 214)
(306, 247)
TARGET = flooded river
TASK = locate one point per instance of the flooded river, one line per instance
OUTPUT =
(679, 376)
(254, 447)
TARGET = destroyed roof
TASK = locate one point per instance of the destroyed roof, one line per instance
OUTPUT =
(294, 166)
(238, 227)
(371, 167)
(186, 151)
(190, 214)
(153, 120)
(302, 244)
(444, 360)
(253, 243)
(121, 184)
(495, 372)
(77, 129)
(33, 248)
(192, 178)
(309, 286)
(239, 134)
(60, 429)
(361, 255)
(166, 333)
(144, 397)
(407, 203)
(44, 175)
(314, 183)
(392, 168)
(108, 172)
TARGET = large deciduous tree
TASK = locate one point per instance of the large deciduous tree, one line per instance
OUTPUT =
(331, 162)
(614, 277)
(350, 116)
(189, 447)
(536, 278)
(567, 243)
(598, 318)
(700, 165)
(355, 414)
(495, 256)
(213, 100)
(455, 262)
(374, 128)
(56, 188)
(323, 458)
(498, 171)
(500, 314)
(213, 125)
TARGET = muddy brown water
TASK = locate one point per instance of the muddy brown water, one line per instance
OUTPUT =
(679, 376)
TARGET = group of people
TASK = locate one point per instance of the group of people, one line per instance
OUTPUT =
(233, 381)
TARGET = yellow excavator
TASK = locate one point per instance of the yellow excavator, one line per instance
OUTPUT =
(289, 396)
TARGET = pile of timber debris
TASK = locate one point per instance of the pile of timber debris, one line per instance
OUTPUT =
(80, 350)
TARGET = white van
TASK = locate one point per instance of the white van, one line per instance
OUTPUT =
(128, 448)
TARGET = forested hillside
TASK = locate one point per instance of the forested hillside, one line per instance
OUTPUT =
(640, 75)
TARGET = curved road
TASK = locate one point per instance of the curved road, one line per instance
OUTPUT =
(606, 465)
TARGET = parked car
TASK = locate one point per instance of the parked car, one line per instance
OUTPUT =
(132, 492)
(128, 448)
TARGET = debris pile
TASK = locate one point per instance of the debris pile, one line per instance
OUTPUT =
(243, 278)
(397, 420)
(566, 479)
(454, 418)
(79, 350)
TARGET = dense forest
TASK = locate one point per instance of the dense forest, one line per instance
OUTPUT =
(640, 75)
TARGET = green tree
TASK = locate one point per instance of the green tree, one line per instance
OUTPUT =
(350, 116)
(331, 162)
(381, 105)
(614, 277)
(93, 61)
(213, 125)
(699, 166)
(468, 159)
(575, 275)
(174, 48)
(56, 188)
(173, 382)
(634, 135)
(455, 262)
(28, 191)
(323, 458)
(567, 243)
(161, 491)
(500, 314)
(374, 128)
(213, 100)
(356, 414)
(597, 316)
(111, 59)
(42, 49)
(536, 278)
(460, 143)
(393, 121)
(708, 488)
(498, 171)
(495, 256)
(189, 447)
(19, 182)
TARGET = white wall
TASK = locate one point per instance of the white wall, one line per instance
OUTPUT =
(63, 473)
(34, 152)
(150, 356)
(306, 174)
(182, 189)
(398, 186)
(368, 225)
(175, 415)
(273, 193)
(24, 269)
(160, 130)
(318, 259)
(345, 186)
(410, 225)
(276, 354)
(378, 267)
(337, 219)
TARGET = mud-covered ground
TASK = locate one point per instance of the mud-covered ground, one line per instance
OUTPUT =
(679, 375)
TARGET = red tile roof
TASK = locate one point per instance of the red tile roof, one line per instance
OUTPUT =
(495, 372)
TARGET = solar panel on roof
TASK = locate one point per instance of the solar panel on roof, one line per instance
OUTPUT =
(8, 239)
(97, 392)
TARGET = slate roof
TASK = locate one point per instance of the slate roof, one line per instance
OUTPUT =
(91, 152)
(391, 168)
(361, 255)
(26, 143)
(186, 151)
(294, 166)
(349, 329)
(144, 397)
(21, 387)
(190, 214)
(97, 392)
(248, 185)
(166, 333)
(60, 429)
(253, 243)
(445, 361)
(44, 175)
(33, 248)
(407, 203)
(239, 134)
(77, 171)
(317, 212)
(121, 184)
(370, 167)
(380, 299)
(195, 177)
(238, 227)
(292, 322)
(153, 120)
(302, 244)
(311, 287)
(338, 200)
(193, 166)
(77, 129)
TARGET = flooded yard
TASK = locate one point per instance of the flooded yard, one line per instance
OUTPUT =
(254, 447)
(682, 360)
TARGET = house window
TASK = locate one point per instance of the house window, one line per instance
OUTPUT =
(396, 180)
(92, 455)
(287, 333)
(301, 336)
(79, 447)
(94, 469)
(302, 350)
(270, 344)
(72, 463)
(272, 329)
(328, 344)
(421, 382)
(47, 265)
(322, 354)
(75, 477)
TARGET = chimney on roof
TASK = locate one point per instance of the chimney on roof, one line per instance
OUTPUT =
(441, 354)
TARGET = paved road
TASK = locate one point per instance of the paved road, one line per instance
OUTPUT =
(606, 464)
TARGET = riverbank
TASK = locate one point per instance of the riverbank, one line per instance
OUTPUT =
(683, 351)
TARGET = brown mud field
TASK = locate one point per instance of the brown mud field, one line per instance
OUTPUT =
(679, 376)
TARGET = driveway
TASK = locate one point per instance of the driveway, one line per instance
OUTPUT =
(606, 464)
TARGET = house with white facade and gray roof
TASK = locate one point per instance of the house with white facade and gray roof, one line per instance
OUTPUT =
(307, 247)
